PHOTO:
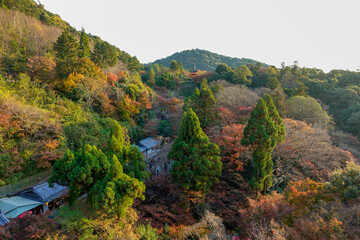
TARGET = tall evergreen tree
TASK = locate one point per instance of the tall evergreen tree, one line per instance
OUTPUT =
(263, 132)
(197, 164)
(116, 192)
(274, 114)
(66, 51)
(277, 138)
(206, 107)
(203, 103)
(66, 46)
(118, 142)
(84, 47)
(129, 156)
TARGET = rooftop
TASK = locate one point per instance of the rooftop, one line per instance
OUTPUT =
(43, 193)
(14, 206)
(149, 142)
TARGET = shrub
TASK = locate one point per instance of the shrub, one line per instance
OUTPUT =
(346, 181)
(147, 232)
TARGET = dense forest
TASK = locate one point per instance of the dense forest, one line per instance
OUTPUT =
(246, 150)
(197, 59)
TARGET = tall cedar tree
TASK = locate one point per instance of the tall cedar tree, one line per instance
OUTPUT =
(197, 164)
(263, 132)
(203, 103)
(84, 48)
(66, 46)
(116, 192)
(66, 51)
(129, 156)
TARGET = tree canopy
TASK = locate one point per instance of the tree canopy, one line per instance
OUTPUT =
(197, 164)
(306, 109)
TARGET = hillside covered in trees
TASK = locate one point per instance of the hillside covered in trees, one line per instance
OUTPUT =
(241, 150)
(197, 59)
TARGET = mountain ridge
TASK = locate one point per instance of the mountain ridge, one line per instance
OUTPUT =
(199, 59)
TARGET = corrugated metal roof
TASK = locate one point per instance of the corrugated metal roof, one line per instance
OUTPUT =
(43, 193)
(14, 206)
(3, 219)
(149, 142)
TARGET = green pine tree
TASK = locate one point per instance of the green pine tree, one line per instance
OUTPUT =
(263, 132)
(204, 104)
(84, 47)
(274, 114)
(117, 142)
(206, 108)
(66, 51)
(129, 156)
(66, 46)
(117, 191)
(197, 164)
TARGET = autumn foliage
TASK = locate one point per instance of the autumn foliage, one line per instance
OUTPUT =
(228, 139)
(304, 194)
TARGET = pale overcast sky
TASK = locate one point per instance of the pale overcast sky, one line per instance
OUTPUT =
(317, 33)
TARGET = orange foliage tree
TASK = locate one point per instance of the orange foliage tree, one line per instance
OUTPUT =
(128, 108)
(145, 100)
(228, 139)
(304, 194)
(111, 79)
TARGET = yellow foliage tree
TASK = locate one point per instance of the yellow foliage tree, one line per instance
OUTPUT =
(72, 81)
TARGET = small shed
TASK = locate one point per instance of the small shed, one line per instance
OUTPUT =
(15, 206)
(3, 219)
(148, 145)
(43, 193)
